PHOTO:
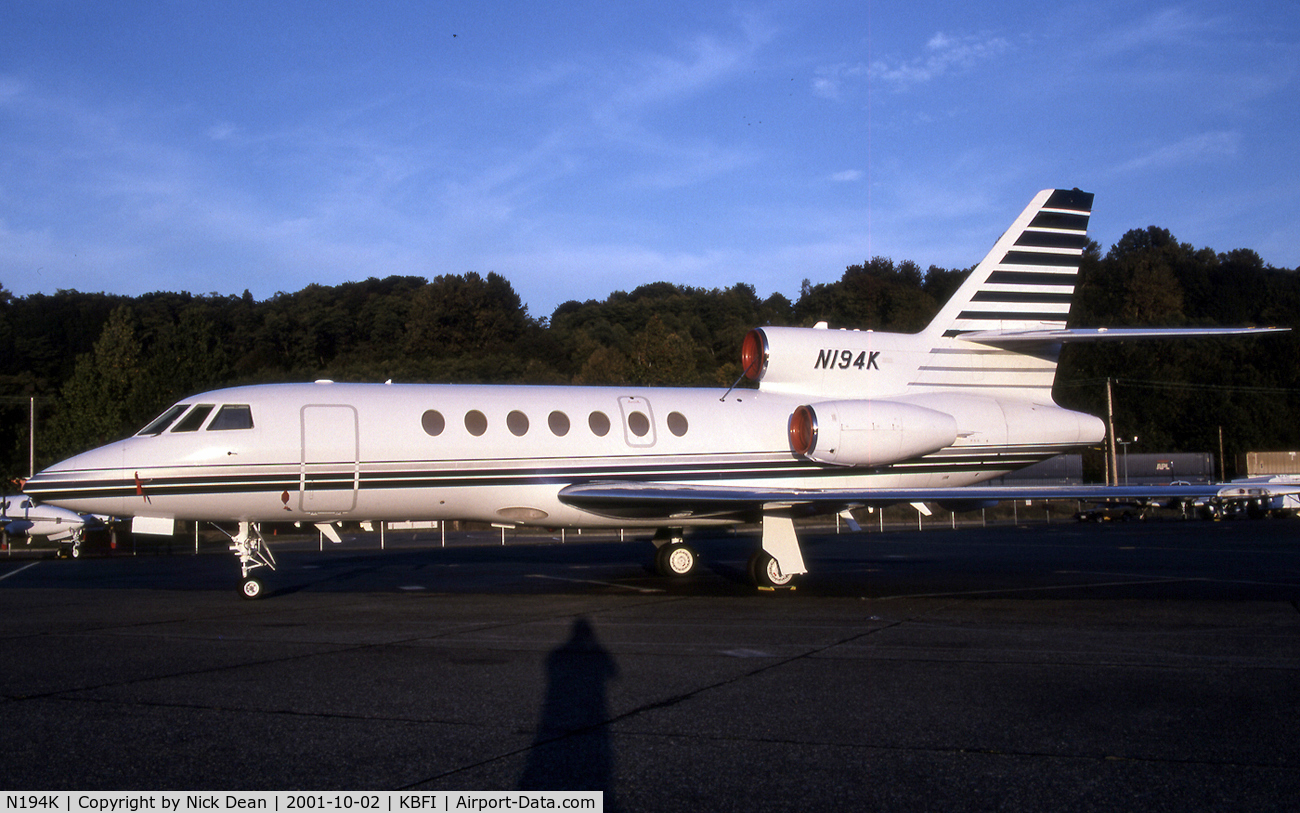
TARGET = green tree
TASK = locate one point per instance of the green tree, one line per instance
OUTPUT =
(662, 357)
(186, 357)
(455, 315)
(100, 402)
(876, 294)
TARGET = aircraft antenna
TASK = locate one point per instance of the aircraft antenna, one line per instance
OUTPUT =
(734, 384)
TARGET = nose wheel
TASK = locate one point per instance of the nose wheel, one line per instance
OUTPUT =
(251, 588)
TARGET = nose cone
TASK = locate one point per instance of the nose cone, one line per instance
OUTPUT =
(90, 483)
(59, 516)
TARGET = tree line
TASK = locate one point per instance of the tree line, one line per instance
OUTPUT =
(99, 366)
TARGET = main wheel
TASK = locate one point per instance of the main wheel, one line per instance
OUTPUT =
(251, 588)
(675, 560)
(765, 571)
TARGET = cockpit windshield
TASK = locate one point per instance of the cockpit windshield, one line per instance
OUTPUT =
(160, 424)
(229, 416)
(192, 421)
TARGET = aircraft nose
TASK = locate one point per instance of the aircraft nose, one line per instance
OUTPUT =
(90, 483)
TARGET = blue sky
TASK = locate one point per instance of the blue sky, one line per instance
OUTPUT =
(584, 147)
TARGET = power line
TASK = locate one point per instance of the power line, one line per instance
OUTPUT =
(1180, 385)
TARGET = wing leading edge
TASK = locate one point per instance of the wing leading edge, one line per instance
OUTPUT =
(640, 500)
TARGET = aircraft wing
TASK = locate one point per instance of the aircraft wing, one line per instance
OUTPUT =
(678, 501)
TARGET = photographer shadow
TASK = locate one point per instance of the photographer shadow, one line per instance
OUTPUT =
(571, 749)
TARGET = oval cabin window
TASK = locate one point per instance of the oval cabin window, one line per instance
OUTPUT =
(599, 423)
(433, 423)
(475, 423)
(639, 424)
(517, 423)
(559, 423)
(677, 423)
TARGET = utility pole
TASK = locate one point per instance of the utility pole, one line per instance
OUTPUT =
(1112, 472)
(1222, 477)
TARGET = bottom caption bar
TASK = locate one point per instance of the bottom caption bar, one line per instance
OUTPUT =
(277, 801)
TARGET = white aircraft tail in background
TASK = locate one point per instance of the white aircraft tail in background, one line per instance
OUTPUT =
(841, 419)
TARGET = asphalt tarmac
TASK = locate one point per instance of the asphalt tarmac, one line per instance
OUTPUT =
(1149, 666)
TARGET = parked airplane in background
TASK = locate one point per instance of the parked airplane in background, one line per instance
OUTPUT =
(840, 419)
(20, 514)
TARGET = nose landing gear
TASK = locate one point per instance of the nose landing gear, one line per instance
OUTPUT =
(253, 552)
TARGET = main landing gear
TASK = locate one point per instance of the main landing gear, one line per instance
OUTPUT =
(253, 552)
(673, 557)
(778, 559)
(773, 566)
(766, 572)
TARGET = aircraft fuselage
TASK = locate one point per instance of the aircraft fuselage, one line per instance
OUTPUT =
(329, 451)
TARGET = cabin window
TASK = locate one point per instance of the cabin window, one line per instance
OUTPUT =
(638, 423)
(677, 423)
(433, 422)
(517, 423)
(192, 421)
(475, 423)
(164, 420)
(559, 423)
(599, 423)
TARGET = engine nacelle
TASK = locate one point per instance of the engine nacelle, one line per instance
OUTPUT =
(830, 364)
(868, 433)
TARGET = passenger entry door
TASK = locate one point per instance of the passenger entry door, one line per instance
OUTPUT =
(329, 475)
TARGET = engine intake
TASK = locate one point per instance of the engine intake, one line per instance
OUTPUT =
(868, 433)
(754, 354)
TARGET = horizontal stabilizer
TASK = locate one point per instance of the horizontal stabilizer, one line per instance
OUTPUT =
(1112, 334)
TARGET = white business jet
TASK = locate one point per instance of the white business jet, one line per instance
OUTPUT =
(20, 514)
(840, 419)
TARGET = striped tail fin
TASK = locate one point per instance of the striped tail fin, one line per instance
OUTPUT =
(1025, 283)
(1026, 280)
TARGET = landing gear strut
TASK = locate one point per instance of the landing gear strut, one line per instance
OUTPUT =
(253, 552)
(778, 559)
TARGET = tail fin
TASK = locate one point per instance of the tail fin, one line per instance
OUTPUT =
(1027, 279)
(1024, 284)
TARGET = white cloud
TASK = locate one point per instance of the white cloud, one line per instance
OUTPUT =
(944, 54)
(1197, 149)
(831, 78)
(848, 176)
(1160, 29)
(825, 87)
(701, 63)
